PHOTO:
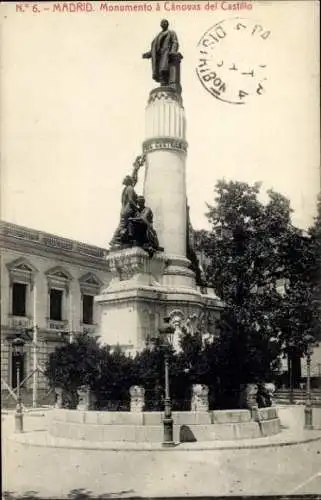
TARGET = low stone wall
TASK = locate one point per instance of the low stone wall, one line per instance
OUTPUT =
(147, 426)
(267, 413)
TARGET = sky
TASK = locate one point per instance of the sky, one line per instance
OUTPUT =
(73, 94)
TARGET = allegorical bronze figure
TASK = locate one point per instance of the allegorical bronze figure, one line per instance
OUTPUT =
(129, 206)
(136, 220)
(165, 58)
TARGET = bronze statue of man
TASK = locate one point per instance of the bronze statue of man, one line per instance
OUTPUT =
(165, 57)
(146, 216)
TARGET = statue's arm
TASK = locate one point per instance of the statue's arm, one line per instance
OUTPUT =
(135, 177)
(138, 163)
(135, 172)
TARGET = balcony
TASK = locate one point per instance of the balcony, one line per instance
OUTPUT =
(57, 326)
(22, 322)
(88, 329)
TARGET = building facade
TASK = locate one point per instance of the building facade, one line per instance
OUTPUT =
(48, 285)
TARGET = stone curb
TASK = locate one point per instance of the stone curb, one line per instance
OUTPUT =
(121, 446)
(35, 413)
(28, 411)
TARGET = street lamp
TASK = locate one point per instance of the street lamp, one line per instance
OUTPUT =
(308, 420)
(167, 332)
(18, 349)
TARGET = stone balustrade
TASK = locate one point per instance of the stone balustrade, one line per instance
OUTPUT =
(57, 325)
(20, 322)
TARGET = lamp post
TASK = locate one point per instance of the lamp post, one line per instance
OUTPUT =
(290, 369)
(18, 349)
(308, 421)
(167, 332)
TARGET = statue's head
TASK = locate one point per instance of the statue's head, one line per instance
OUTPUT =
(128, 181)
(164, 24)
(141, 201)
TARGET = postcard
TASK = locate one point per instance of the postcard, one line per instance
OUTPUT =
(132, 132)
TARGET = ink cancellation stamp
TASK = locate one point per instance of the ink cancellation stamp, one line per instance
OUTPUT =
(232, 60)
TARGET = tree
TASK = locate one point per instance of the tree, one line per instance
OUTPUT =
(74, 364)
(247, 252)
(315, 265)
(300, 312)
(113, 379)
(84, 362)
(149, 372)
(185, 369)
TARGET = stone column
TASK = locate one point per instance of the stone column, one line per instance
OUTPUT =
(165, 148)
(199, 400)
(137, 398)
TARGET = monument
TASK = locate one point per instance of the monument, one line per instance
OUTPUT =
(154, 280)
(152, 277)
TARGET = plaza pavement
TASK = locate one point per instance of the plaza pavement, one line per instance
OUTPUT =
(58, 472)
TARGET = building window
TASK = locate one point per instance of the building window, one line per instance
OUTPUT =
(19, 296)
(22, 279)
(88, 309)
(56, 304)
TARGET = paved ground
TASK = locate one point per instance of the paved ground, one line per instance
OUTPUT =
(56, 473)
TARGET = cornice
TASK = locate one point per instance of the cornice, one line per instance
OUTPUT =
(24, 240)
(73, 258)
(161, 295)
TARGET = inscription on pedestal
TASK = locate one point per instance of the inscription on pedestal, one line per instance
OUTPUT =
(164, 143)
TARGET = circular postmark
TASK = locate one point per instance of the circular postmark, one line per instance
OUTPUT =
(232, 60)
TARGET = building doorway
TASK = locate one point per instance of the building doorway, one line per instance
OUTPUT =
(14, 365)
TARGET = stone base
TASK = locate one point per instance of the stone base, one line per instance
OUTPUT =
(134, 304)
(148, 426)
(177, 273)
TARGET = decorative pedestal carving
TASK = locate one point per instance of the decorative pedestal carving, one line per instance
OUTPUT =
(133, 267)
(249, 396)
(137, 398)
(86, 399)
(270, 389)
(199, 400)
